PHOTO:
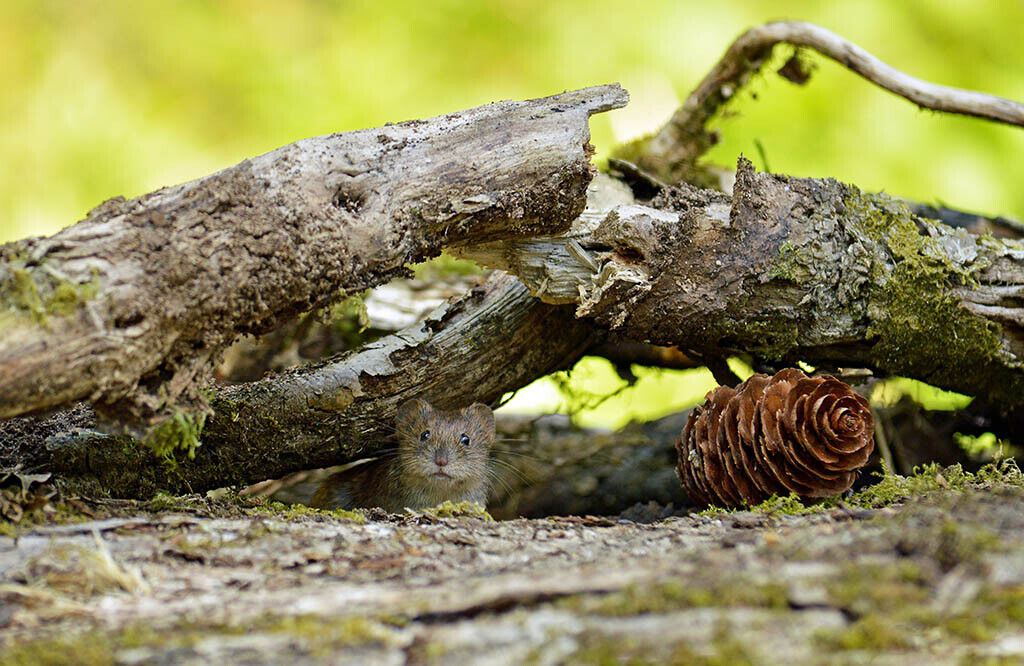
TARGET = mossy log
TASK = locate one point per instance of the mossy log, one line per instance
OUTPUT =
(794, 269)
(476, 348)
(131, 306)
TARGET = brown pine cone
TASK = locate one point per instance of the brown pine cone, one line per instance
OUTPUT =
(775, 435)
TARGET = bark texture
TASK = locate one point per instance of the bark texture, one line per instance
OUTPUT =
(791, 269)
(131, 306)
(476, 348)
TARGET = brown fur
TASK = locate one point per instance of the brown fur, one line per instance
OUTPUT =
(407, 478)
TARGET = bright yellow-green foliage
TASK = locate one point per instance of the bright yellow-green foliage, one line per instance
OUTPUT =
(101, 98)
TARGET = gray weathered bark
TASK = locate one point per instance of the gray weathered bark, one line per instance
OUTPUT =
(131, 306)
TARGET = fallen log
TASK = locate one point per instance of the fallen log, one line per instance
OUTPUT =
(793, 269)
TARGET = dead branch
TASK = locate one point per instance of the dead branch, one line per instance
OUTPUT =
(131, 306)
(673, 151)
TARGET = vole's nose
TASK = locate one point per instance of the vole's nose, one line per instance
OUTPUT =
(441, 458)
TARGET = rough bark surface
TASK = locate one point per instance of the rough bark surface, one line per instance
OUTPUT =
(936, 581)
(476, 348)
(131, 306)
(792, 269)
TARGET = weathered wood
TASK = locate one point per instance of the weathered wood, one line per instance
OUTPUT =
(491, 341)
(795, 269)
(131, 306)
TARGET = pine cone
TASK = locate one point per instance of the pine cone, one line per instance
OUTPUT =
(775, 435)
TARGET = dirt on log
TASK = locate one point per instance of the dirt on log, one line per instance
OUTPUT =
(131, 306)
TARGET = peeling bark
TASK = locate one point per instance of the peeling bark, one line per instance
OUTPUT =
(131, 306)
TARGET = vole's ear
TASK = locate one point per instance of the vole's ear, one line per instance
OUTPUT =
(481, 414)
(411, 409)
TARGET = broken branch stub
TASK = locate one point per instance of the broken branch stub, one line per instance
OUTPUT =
(130, 307)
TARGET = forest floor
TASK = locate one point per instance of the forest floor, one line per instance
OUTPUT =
(933, 575)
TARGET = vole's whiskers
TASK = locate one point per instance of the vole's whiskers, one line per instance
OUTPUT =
(513, 453)
(515, 471)
(496, 478)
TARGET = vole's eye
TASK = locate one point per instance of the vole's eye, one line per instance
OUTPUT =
(425, 436)
(464, 439)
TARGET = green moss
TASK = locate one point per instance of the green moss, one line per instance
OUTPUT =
(892, 488)
(321, 636)
(787, 505)
(41, 294)
(445, 265)
(164, 502)
(723, 650)
(90, 649)
(926, 478)
(301, 511)
(726, 650)
(871, 632)
(790, 505)
(180, 432)
(324, 635)
(918, 324)
(894, 603)
(449, 509)
(863, 589)
(772, 336)
(675, 595)
(791, 265)
(21, 292)
(40, 506)
(995, 610)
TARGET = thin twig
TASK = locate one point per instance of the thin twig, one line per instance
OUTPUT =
(684, 138)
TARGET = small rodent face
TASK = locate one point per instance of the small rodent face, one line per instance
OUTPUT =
(444, 448)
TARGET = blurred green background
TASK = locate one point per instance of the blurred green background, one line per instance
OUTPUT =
(119, 98)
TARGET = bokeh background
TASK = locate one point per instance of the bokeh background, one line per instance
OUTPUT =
(101, 99)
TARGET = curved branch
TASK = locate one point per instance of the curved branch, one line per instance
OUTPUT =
(684, 138)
